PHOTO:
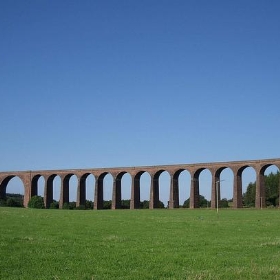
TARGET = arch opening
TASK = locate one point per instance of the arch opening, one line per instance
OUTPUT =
(145, 186)
(104, 191)
(271, 185)
(68, 195)
(226, 182)
(12, 192)
(38, 186)
(125, 196)
(160, 190)
(184, 181)
(248, 183)
(73, 186)
(52, 191)
(204, 179)
(89, 189)
(140, 197)
(164, 189)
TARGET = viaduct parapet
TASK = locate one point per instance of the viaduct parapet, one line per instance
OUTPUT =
(30, 181)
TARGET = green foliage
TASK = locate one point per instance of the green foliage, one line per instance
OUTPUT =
(36, 202)
(125, 204)
(72, 205)
(81, 207)
(65, 205)
(54, 205)
(271, 191)
(223, 203)
(186, 203)
(3, 202)
(160, 205)
(12, 200)
(203, 202)
(89, 204)
(144, 204)
(107, 204)
(249, 196)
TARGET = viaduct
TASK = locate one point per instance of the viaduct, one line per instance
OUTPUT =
(30, 182)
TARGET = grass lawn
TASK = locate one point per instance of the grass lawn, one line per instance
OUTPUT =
(139, 244)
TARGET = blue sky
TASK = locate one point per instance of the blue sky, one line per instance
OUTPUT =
(125, 83)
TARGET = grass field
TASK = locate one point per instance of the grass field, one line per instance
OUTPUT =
(139, 244)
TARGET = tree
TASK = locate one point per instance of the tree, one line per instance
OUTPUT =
(271, 191)
(125, 204)
(12, 200)
(249, 196)
(223, 203)
(107, 204)
(144, 204)
(203, 202)
(89, 204)
(36, 202)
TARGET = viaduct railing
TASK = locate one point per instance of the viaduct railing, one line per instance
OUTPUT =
(30, 181)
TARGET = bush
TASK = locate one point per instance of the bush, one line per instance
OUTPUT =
(81, 207)
(107, 204)
(11, 202)
(89, 204)
(65, 205)
(223, 203)
(72, 205)
(3, 202)
(144, 204)
(54, 205)
(36, 202)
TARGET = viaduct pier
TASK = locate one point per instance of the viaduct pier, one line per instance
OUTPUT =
(30, 182)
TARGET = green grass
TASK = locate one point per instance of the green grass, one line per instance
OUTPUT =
(139, 244)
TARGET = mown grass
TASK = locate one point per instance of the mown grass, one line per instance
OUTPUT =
(139, 244)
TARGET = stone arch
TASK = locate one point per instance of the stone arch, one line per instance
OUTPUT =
(6, 181)
(74, 188)
(17, 187)
(224, 180)
(155, 189)
(87, 186)
(265, 168)
(201, 186)
(99, 190)
(271, 189)
(67, 183)
(178, 192)
(35, 184)
(140, 189)
(123, 178)
(49, 189)
(246, 175)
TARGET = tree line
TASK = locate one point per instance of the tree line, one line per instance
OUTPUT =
(38, 202)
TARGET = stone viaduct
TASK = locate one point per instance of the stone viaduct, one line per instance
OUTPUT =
(30, 182)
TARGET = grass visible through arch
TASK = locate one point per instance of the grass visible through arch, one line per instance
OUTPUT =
(139, 244)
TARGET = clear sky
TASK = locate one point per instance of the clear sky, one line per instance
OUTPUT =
(125, 83)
